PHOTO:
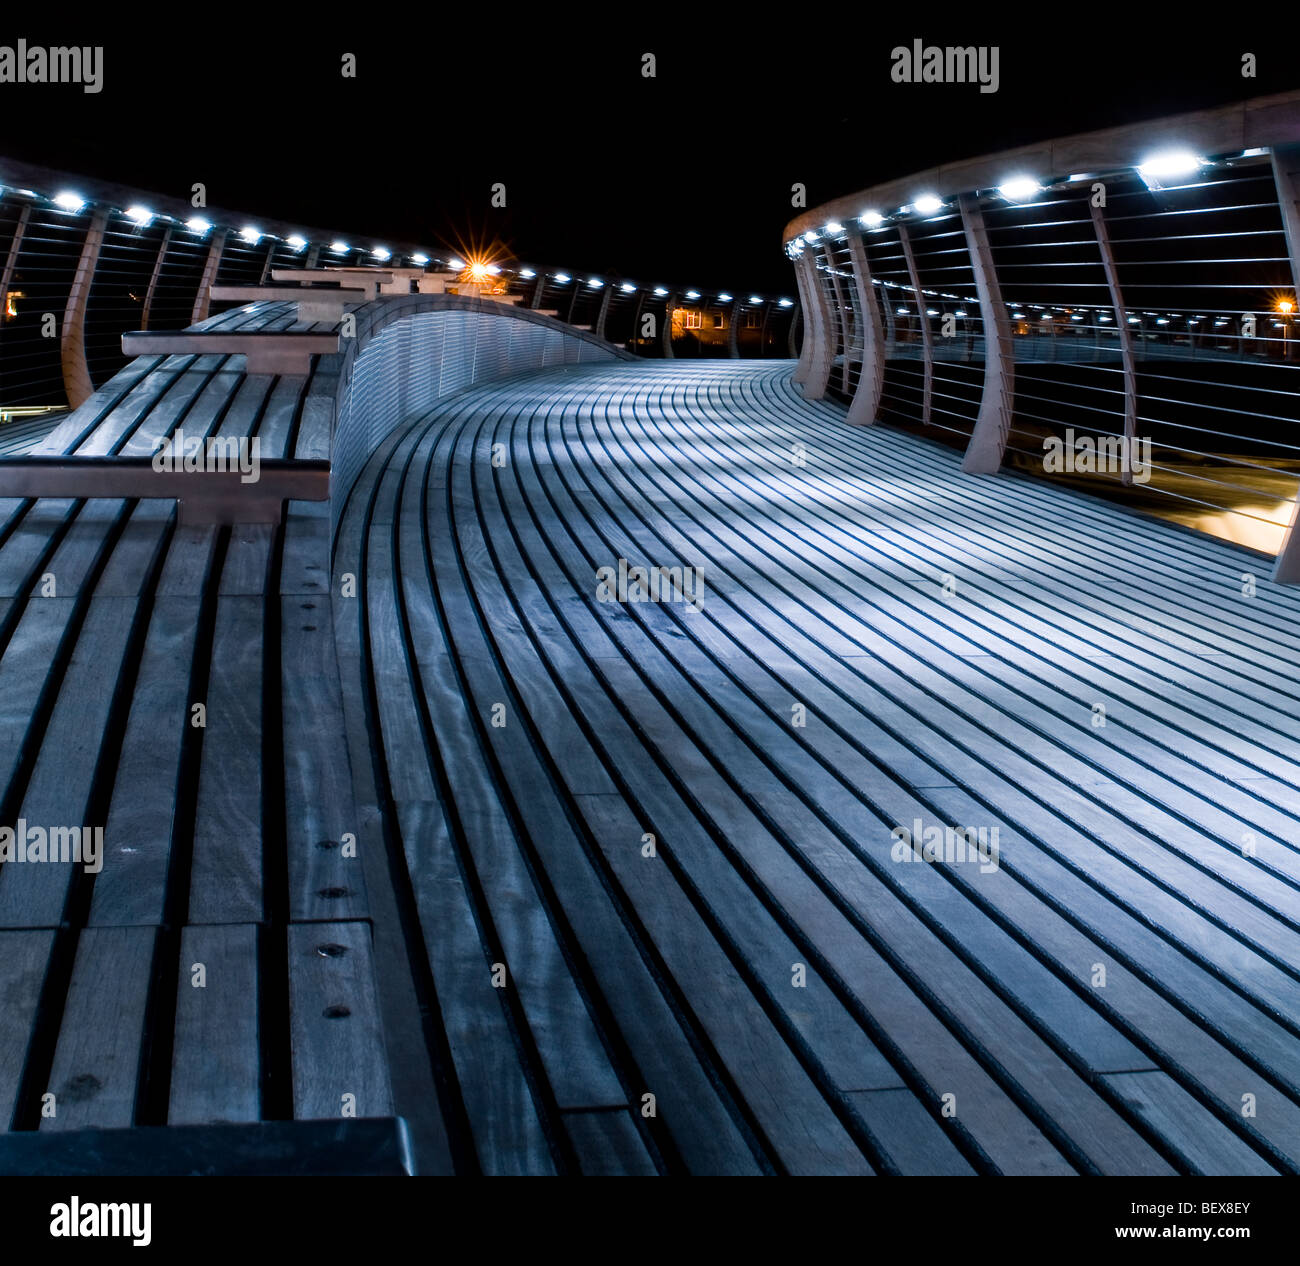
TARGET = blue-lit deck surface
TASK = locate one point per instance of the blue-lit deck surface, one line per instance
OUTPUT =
(882, 641)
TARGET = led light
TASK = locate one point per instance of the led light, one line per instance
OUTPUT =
(1017, 316)
(786, 303)
(1169, 166)
(1253, 153)
(1103, 318)
(251, 235)
(1020, 189)
(493, 269)
(928, 204)
(901, 312)
(660, 291)
(627, 288)
(755, 299)
(527, 272)
(139, 215)
(833, 229)
(562, 278)
(961, 312)
(69, 201)
(1134, 321)
(296, 243)
(382, 252)
(1162, 321)
(724, 298)
(198, 226)
(340, 248)
(1080, 175)
(595, 283)
(692, 294)
(932, 312)
(420, 259)
(810, 237)
(871, 217)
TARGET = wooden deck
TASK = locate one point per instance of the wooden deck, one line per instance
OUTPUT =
(882, 641)
(218, 967)
(614, 850)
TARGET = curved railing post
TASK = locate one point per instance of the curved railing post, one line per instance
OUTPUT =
(871, 380)
(988, 441)
(843, 333)
(822, 356)
(733, 334)
(801, 317)
(203, 299)
(927, 335)
(76, 373)
(1125, 336)
(153, 279)
(666, 334)
(604, 310)
(796, 321)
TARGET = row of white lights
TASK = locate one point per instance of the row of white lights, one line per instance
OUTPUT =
(627, 287)
(142, 217)
(1021, 189)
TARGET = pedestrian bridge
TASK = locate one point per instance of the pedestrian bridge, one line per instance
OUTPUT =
(597, 764)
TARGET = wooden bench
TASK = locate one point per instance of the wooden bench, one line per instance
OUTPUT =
(204, 496)
(371, 280)
(314, 303)
(286, 352)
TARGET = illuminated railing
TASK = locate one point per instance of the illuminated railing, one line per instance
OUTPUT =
(82, 263)
(1116, 309)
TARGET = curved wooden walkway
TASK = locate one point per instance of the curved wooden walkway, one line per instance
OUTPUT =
(882, 641)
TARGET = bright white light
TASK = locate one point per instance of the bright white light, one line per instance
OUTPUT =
(833, 229)
(1253, 153)
(724, 298)
(928, 204)
(786, 303)
(1076, 318)
(139, 215)
(1020, 189)
(494, 269)
(810, 237)
(562, 278)
(1162, 321)
(527, 272)
(1103, 318)
(420, 259)
(627, 287)
(251, 235)
(1081, 175)
(382, 252)
(692, 294)
(931, 312)
(1169, 166)
(961, 312)
(595, 283)
(1135, 321)
(296, 243)
(660, 291)
(1047, 316)
(198, 226)
(340, 248)
(901, 312)
(871, 217)
(755, 299)
(1017, 316)
(69, 201)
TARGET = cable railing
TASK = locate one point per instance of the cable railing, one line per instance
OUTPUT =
(79, 271)
(1115, 311)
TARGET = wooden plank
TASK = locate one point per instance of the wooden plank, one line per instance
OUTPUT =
(132, 887)
(58, 795)
(97, 1060)
(909, 1136)
(226, 883)
(216, 1060)
(324, 883)
(1206, 1144)
(24, 960)
(338, 1046)
(609, 1144)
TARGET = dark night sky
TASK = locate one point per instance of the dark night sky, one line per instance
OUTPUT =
(684, 178)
